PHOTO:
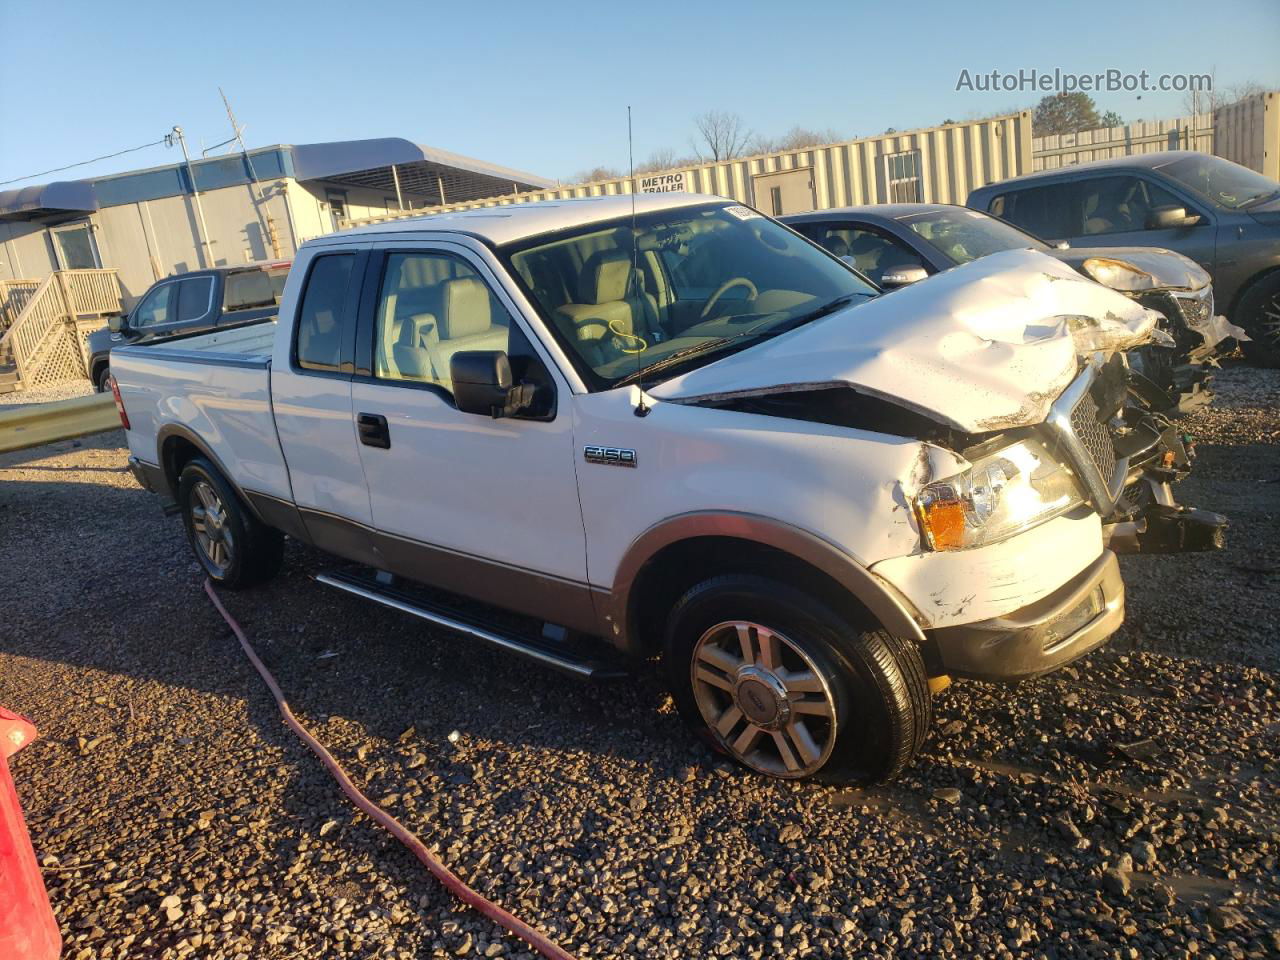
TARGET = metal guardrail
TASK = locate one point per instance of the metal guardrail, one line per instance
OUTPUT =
(31, 425)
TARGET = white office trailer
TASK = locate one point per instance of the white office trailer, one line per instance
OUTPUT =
(226, 210)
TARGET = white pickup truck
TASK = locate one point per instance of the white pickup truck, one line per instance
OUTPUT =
(677, 428)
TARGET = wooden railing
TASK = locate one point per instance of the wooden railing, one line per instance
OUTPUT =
(14, 295)
(49, 315)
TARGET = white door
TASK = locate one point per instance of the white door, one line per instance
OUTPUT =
(487, 507)
(311, 400)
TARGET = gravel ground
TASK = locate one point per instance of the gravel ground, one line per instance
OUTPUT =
(54, 391)
(1128, 806)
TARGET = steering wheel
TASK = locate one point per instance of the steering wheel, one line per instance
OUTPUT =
(725, 288)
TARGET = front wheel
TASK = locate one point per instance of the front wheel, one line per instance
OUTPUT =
(1259, 314)
(784, 685)
(235, 548)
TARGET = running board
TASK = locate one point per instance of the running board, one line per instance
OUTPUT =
(442, 616)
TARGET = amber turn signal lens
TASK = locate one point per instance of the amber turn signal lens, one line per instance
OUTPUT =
(943, 521)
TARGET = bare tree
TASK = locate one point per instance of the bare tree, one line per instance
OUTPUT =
(664, 158)
(723, 137)
(1207, 101)
(596, 173)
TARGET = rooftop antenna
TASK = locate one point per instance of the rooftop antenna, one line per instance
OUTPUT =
(642, 410)
(264, 214)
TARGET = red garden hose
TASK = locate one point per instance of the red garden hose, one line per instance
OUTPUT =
(451, 881)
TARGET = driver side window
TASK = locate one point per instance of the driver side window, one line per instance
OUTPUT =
(1121, 204)
(157, 308)
(431, 306)
(871, 253)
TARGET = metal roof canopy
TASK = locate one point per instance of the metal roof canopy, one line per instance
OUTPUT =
(422, 171)
(70, 198)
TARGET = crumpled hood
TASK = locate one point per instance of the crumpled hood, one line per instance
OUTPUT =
(984, 346)
(1169, 268)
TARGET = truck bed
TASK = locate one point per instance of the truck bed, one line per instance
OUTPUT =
(214, 387)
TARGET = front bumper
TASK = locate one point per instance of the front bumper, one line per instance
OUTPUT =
(1042, 636)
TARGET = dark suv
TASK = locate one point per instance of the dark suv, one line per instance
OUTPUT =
(191, 303)
(1224, 216)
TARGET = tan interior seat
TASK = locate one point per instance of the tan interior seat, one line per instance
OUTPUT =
(465, 322)
(605, 310)
(412, 349)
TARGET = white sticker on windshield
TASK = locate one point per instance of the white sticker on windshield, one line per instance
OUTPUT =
(741, 212)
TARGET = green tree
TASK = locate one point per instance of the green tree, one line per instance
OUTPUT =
(1064, 113)
(1111, 119)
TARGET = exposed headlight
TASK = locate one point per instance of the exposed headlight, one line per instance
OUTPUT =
(1000, 495)
(1119, 274)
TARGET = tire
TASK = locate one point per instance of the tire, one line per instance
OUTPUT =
(235, 548)
(1259, 313)
(849, 703)
(100, 383)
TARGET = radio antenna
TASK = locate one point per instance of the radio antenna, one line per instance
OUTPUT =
(641, 409)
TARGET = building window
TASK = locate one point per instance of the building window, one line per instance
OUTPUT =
(775, 197)
(902, 176)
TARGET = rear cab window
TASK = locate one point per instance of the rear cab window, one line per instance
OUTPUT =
(195, 298)
(318, 337)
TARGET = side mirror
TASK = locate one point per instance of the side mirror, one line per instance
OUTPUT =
(118, 324)
(482, 384)
(902, 276)
(1170, 217)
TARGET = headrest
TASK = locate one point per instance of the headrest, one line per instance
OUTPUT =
(466, 309)
(865, 243)
(413, 329)
(604, 278)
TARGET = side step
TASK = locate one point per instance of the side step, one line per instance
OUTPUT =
(565, 659)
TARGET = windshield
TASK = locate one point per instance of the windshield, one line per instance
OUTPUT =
(962, 235)
(693, 282)
(1225, 183)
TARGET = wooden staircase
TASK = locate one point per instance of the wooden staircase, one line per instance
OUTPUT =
(46, 324)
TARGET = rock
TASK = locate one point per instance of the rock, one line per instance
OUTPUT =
(1067, 828)
(495, 949)
(463, 948)
(791, 833)
(454, 736)
(408, 734)
(1144, 853)
(1116, 882)
(1224, 918)
(947, 795)
(328, 827)
(1139, 749)
(843, 926)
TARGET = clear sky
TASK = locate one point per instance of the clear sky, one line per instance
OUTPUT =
(543, 87)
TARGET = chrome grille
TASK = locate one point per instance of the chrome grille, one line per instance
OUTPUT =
(1095, 436)
(1197, 308)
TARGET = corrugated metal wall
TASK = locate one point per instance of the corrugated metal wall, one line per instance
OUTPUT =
(1068, 149)
(1246, 132)
(954, 160)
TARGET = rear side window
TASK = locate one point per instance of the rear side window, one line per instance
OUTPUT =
(1051, 212)
(194, 298)
(319, 343)
(248, 288)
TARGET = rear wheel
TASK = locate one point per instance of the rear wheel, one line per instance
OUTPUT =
(103, 381)
(1259, 314)
(234, 547)
(786, 686)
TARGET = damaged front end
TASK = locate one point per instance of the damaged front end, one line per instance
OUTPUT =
(1014, 363)
(1177, 372)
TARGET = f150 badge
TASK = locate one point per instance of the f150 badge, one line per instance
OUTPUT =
(610, 456)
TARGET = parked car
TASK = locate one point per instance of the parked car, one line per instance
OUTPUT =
(190, 303)
(899, 243)
(669, 425)
(1223, 216)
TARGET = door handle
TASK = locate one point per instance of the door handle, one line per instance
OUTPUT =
(373, 430)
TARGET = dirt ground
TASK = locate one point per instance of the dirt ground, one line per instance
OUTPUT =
(1128, 806)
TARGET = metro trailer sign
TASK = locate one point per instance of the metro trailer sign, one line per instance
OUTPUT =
(663, 183)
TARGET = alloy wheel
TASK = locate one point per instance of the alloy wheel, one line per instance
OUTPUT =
(765, 699)
(211, 525)
(1269, 321)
